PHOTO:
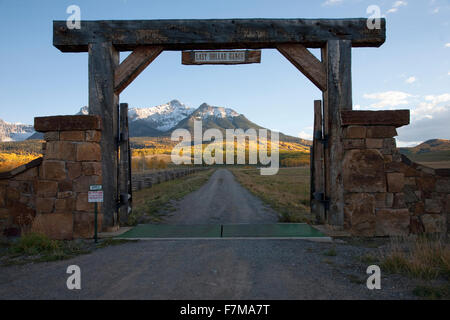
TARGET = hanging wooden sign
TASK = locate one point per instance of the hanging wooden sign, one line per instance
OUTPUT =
(221, 57)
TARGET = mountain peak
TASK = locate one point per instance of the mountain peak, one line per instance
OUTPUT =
(206, 110)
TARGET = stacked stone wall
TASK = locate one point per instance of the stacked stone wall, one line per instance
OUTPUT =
(385, 193)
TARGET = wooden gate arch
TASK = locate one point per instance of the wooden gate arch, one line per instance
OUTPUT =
(105, 39)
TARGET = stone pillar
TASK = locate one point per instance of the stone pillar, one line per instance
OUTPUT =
(71, 163)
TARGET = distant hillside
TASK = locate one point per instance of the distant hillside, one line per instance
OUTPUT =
(434, 150)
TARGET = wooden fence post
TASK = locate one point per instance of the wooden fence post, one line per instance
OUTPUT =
(103, 60)
(124, 165)
(317, 167)
(338, 96)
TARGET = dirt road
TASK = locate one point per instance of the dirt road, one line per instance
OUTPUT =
(221, 200)
(206, 269)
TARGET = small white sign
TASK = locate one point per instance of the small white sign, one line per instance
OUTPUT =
(95, 196)
(95, 187)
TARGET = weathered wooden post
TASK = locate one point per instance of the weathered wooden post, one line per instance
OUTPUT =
(103, 60)
(317, 166)
(124, 165)
(336, 56)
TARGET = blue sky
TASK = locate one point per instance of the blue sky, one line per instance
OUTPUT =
(411, 70)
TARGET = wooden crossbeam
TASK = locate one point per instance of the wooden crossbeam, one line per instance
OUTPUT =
(306, 62)
(133, 65)
(395, 118)
(207, 34)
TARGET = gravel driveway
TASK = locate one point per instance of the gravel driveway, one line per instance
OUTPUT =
(221, 200)
(205, 269)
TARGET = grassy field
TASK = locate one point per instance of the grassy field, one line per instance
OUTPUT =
(287, 192)
(148, 202)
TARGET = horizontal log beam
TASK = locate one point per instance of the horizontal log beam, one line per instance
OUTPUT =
(306, 62)
(133, 65)
(395, 118)
(126, 35)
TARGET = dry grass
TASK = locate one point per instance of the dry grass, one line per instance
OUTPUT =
(9, 161)
(149, 203)
(287, 192)
(418, 257)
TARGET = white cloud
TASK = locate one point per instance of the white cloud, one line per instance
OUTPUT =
(447, 45)
(388, 99)
(430, 114)
(396, 6)
(331, 3)
(399, 4)
(411, 80)
(306, 135)
(448, 73)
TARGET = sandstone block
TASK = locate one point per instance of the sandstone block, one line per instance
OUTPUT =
(434, 223)
(395, 181)
(28, 174)
(381, 132)
(92, 168)
(60, 150)
(84, 224)
(46, 188)
(67, 123)
(45, 205)
(66, 205)
(410, 181)
(2, 196)
(363, 171)
(65, 185)
(443, 185)
(447, 205)
(82, 203)
(58, 226)
(426, 183)
(359, 214)
(399, 201)
(51, 136)
(72, 135)
(81, 184)
(416, 226)
(354, 144)
(12, 194)
(65, 194)
(419, 208)
(389, 144)
(93, 135)
(374, 143)
(53, 170)
(73, 170)
(380, 200)
(392, 222)
(432, 206)
(355, 132)
(88, 151)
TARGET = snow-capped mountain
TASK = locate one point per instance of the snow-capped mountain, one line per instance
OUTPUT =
(206, 111)
(84, 111)
(14, 131)
(161, 120)
(162, 117)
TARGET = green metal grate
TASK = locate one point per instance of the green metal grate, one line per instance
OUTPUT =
(279, 230)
